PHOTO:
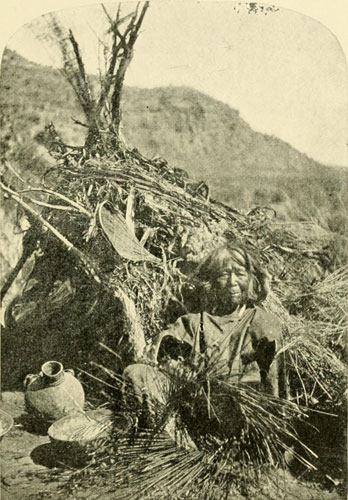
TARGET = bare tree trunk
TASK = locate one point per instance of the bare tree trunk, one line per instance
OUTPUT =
(127, 46)
(103, 113)
(132, 325)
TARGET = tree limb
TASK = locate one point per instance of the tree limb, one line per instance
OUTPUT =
(74, 204)
(70, 247)
(125, 61)
(81, 78)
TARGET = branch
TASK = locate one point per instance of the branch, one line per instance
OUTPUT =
(70, 247)
(69, 68)
(26, 255)
(114, 54)
(107, 14)
(74, 204)
(126, 59)
(82, 82)
(133, 324)
(77, 122)
(78, 57)
(142, 14)
(14, 171)
(48, 205)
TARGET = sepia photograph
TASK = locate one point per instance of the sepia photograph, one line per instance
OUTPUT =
(174, 248)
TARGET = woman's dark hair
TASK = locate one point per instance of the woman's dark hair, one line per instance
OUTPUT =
(212, 263)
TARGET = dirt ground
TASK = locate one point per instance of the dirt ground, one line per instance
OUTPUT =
(26, 454)
(23, 453)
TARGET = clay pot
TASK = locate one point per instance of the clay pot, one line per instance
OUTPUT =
(53, 393)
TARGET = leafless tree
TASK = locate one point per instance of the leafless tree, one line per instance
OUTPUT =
(103, 111)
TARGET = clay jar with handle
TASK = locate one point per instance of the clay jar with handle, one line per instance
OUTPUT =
(53, 393)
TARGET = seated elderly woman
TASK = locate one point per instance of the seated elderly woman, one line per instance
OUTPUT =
(232, 331)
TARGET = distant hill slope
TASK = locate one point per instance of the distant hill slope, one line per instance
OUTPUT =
(178, 120)
(191, 130)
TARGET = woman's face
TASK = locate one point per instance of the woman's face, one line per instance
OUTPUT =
(230, 283)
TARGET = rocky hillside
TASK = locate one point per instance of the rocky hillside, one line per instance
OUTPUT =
(178, 121)
(191, 130)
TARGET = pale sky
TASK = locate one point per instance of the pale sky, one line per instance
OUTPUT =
(285, 72)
